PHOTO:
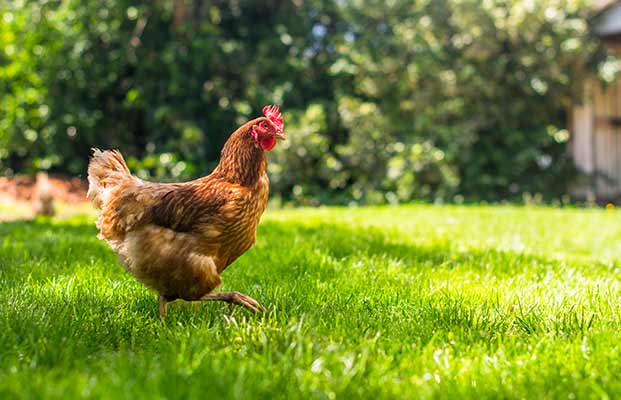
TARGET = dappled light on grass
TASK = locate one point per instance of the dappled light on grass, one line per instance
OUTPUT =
(371, 302)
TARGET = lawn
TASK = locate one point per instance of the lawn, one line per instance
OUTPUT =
(390, 302)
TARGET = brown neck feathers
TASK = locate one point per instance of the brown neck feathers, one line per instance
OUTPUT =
(241, 160)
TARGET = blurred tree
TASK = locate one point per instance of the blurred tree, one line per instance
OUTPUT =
(464, 97)
(384, 101)
(164, 81)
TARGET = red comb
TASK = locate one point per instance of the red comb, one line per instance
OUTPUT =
(273, 114)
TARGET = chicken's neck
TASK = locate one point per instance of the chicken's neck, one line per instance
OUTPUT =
(241, 161)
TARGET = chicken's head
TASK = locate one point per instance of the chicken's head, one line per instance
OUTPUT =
(268, 128)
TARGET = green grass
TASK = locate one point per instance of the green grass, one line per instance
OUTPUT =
(417, 302)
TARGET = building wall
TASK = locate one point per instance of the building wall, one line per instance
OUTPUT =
(596, 140)
(596, 121)
(609, 22)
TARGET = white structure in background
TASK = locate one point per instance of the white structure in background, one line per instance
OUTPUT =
(596, 120)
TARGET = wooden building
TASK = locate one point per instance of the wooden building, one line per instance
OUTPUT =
(596, 120)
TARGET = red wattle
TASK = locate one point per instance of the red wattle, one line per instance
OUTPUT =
(268, 143)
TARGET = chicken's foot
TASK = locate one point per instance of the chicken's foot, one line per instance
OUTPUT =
(235, 298)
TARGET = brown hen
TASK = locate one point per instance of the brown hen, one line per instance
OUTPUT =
(177, 238)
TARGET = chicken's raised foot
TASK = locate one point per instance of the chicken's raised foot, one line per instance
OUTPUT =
(235, 298)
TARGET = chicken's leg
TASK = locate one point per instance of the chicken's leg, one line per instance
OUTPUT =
(163, 303)
(235, 298)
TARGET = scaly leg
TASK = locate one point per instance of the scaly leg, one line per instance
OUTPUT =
(235, 298)
(163, 304)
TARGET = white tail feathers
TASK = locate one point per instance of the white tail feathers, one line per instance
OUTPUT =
(106, 170)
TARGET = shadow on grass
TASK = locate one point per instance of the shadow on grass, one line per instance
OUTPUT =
(40, 249)
(51, 241)
(345, 243)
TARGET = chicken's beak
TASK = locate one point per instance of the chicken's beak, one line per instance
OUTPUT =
(281, 135)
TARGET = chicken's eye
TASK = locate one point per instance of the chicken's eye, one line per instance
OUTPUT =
(264, 125)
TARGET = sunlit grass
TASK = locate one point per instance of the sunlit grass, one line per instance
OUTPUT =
(421, 301)
(22, 209)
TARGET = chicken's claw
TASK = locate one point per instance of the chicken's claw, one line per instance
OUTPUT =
(236, 298)
(247, 302)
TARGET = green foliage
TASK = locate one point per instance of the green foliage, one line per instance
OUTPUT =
(115, 74)
(466, 91)
(384, 102)
(384, 303)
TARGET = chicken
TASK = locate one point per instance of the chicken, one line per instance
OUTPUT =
(177, 238)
